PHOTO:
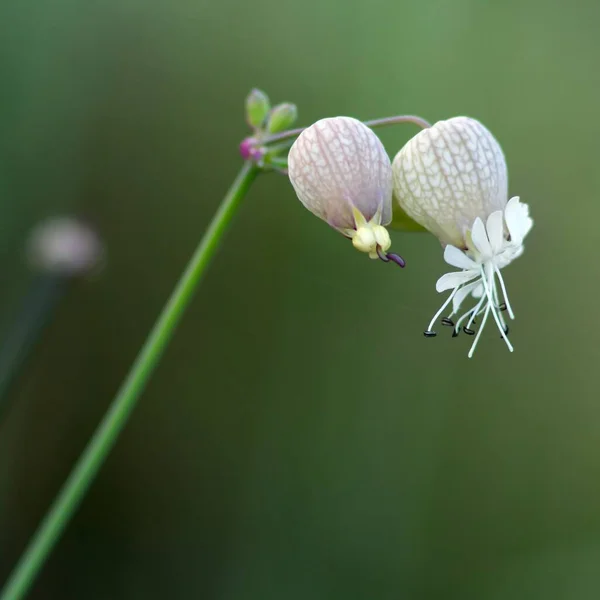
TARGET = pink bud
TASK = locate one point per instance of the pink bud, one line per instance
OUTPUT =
(339, 166)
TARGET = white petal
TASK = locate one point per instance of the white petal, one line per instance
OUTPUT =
(517, 220)
(518, 251)
(457, 258)
(480, 239)
(460, 296)
(478, 291)
(495, 231)
(452, 280)
(509, 253)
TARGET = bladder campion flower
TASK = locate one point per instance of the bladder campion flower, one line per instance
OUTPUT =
(452, 179)
(343, 175)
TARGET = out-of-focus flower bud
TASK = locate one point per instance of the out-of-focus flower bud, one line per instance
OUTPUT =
(282, 117)
(64, 246)
(257, 108)
(250, 149)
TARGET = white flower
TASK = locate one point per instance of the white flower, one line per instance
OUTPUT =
(343, 175)
(491, 250)
(452, 179)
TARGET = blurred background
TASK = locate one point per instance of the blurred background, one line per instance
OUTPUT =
(301, 438)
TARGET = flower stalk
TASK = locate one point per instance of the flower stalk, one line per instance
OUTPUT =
(373, 124)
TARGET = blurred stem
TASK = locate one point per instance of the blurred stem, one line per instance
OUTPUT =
(292, 133)
(36, 310)
(114, 420)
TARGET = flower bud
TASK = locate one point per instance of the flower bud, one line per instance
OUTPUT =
(450, 174)
(282, 117)
(342, 174)
(250, 149)
(257, 108)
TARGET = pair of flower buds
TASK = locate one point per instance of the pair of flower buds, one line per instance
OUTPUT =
(450, 178)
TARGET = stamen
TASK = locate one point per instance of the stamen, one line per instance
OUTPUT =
(397, 259)
(439, 312)
(469, 331)
(429, 333)
(476, 310)
(487, 285)
(511, 314)
(473, 285)
(485, 316)
(471, 320)
(499, 307)
(447, 322)
(391, 257)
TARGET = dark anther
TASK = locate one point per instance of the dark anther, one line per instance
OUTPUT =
(468, 331)
(429, 333)
(502, 306)
(505, 330)
(391, 257)
(455, 333)
(397, 259)
(448, 322)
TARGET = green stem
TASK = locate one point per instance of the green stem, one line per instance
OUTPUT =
(292, 133)
(115, 418)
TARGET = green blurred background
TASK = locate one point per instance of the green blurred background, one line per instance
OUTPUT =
(301, 438)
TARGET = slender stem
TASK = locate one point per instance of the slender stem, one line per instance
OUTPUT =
(25, 330)
(292, 133)
(422, 123)
(115, 418)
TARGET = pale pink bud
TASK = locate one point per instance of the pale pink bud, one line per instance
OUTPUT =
(342, 174)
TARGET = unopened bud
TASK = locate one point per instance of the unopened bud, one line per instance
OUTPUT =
(250, 149)
(257, 108)
(282, 117)
(342, 174)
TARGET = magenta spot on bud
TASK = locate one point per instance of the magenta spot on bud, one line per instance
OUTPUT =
(250, 150)
(257, 154)
(247, 147)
